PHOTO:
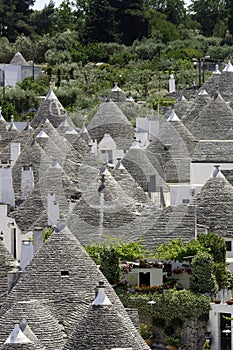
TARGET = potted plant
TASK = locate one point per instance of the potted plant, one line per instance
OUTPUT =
(229, 302)
(173, 342)
(146, 334)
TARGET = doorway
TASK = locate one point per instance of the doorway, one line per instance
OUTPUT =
(144, 279)
(225, 331)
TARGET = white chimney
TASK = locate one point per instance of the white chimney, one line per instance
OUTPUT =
(17, 337)
(15, 152)
(26, 253)
(37, 238)
(27, 182)
(101, 298)
(7, 195)
(52, 209)
(172, 85)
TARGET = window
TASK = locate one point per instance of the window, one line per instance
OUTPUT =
(228, 246)
(65, 273)
(185, 201)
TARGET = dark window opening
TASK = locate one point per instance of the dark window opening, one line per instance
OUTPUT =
(228, 246)
(65, 273)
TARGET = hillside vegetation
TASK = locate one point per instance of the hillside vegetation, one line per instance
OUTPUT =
(84, 47)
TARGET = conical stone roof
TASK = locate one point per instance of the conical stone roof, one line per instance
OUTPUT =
(29, 211)
(214, 205)
(109, 119)
(19, 60)
(63, 273)
(200, 101)
(214, 151)
(173, 148)
(103, 203)
(104, 328)
(51, 109)
(173, 222)
(138, 164)
(7, 264)
(128, 183)
(36, 322)
(212, 84)
(116, 95)
(214, 120)
(31, 155)
(181, 106)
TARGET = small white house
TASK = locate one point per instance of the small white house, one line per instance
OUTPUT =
(150, 276)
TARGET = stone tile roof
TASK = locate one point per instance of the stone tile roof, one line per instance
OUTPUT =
(214, 120)
(212, 84)
(51, 179)
(228, 174)
(55, 180)
(7, 264)
(85, 134)
(214, 205)
(195, 106)
(19, 60)
(63, 273)
(109, 119)
(31, 155)
(29, 211)
(225, 83)
(52, 109)
(181, 106)
(128, 232)
(104, 203)
(128, 183)
(173, 148)
(43, 330)
(104, 328)
(7, 137)
(23, 138)
(116, 95)
(173, 222)
(213, 151)
(140, 164)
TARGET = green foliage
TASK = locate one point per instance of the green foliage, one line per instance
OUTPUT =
(170, 340)
(203, 279)
(17, 101)
(215, 244)
(108, 254)
(220, 272)
(172, 305)
(14, 18)
(177, 250)
(6, 50)
(47, 233)
(208, 13)
(145, 331)
(39, 87)
(110, 265)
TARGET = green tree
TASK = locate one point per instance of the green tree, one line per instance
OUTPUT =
(208, 13)
(100, 22)
(14, 18)
(132, 19)
(109, 253)
(203, 279)
(66, 17)
(44, 20)
(174, 10)
(177, 250)
(229, 5)
(160, 28)
(215, 244)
